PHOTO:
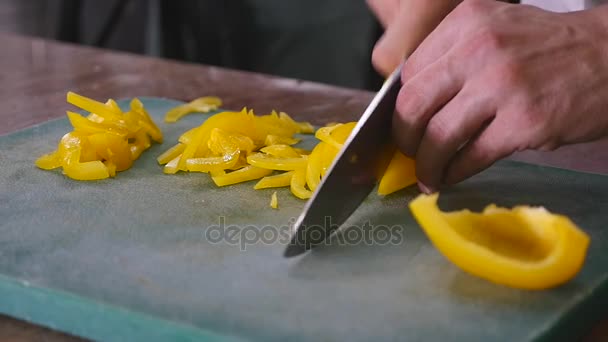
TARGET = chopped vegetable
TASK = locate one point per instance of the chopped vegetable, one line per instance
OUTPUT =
(526, 247)
(104, 142)
(274, 201)
(235, 147)
(200, 105)
(275, 181)
(401, 173)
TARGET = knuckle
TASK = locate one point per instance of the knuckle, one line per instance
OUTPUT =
(437, 132)
(472, 7)
(489, 39)
(508, 78)
(409, 103)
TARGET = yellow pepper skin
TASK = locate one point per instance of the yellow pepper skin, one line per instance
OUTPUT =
(171, 153)
(281, 151)
(315, 165)
(274, 201)
(298, 184)
(104, 142)
(400, 173)
(279, 140)
(245, 174)
(199, 105)
(273, 163)
(276, 181)
(526, 247)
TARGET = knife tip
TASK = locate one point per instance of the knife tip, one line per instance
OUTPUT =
(294, 250)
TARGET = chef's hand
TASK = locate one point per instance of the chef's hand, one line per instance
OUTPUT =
(406, 23)
(495, 78)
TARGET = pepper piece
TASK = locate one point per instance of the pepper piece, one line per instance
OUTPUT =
(526, 247)
(400, 173)
(276, 181)
(274, 201)
(199, 105)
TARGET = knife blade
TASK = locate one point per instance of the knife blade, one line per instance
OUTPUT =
(353, 174)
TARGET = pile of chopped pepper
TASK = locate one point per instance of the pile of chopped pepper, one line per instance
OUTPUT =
(104, 142)
(235, 147)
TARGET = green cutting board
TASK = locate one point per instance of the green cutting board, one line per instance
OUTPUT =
(137, 257)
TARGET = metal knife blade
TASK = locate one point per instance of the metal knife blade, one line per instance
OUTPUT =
(353, 174)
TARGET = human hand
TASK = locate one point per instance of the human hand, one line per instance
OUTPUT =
(406, 23)
(495, 78)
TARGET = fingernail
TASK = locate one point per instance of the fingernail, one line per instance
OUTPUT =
(427, 190)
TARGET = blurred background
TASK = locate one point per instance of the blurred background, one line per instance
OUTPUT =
(327, 41)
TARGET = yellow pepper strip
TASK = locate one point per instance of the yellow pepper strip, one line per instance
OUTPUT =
(272, 124)
(342, 132)
(276, 181)
(298, 184)
(186, 138)
(191, 147)
(301, 127)
(315, 164)
(241, 163)
(49, 161)
(171, 153)
(281, 151)
(199, 105)
(324, 134)
(245, 174)
(273, 163)
(400, 173)
(90, 105)
(274, 201)
(212, 163)
(84, 125)
(114, 106)
(145, 120)
(526, 247)
(301, 151)
(172, 166)
(278, 140)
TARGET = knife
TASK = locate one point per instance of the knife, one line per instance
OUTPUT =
(353, 174)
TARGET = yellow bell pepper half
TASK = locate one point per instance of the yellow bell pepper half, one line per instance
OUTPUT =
(526, 247)
(104, 142)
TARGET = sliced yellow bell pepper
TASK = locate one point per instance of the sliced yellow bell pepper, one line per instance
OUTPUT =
(281, 151)
(298, 184)
(400, 173)
(278, 140)
(245, 174)
(104, 142)
(526, 247)
(200, 105)
(171, 153)
(274, 201)
(276, 181)
(273, 163)
(315, 165)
